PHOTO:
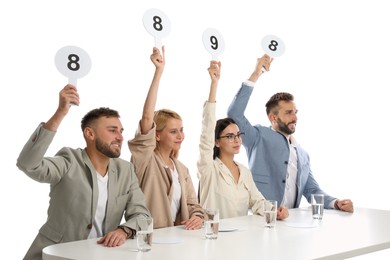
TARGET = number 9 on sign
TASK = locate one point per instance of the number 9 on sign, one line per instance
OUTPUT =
(213, 42)
(72, 62)
(273, 46)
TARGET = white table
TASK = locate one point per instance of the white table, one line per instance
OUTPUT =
(339, 235)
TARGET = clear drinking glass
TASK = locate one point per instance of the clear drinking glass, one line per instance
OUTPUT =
(211, 223)
(144, 228)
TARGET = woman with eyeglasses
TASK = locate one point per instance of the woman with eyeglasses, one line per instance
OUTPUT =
(169, 192)
(224, 183)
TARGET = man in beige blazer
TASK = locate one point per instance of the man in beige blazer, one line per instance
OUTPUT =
(91, 188)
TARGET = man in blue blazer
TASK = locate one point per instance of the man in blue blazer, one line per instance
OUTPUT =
(91, 189)
(280, 167)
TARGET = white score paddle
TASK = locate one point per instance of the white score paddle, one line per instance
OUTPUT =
(273, 46)
(72, 62)
(213, 42)
(157, 24)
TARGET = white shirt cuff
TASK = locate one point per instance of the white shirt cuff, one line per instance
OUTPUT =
(331, 204)
(249, 83)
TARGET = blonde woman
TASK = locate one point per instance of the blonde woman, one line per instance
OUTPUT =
(165, 181)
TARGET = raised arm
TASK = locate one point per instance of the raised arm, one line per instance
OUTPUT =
(205, 167)
(31, 159)
(261, 64)
(206, 144)
(158, 60)
(238, 106)
(68, 96)
(215, 73)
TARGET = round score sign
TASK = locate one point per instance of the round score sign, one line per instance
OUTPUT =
(273, 45)
(213, 42)
(157, 24)
(73, 62)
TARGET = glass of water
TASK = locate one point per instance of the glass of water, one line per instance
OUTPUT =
(211, 223)
(317, 206)
(270, 213)
(144, 228)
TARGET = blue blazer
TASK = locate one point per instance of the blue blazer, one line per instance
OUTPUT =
(268, 154)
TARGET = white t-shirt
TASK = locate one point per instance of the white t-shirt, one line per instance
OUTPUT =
(97, 227)
(175, 204)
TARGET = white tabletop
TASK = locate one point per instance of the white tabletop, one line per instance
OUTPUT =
(339, 235)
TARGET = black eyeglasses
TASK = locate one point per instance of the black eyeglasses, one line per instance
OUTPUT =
(232, 137)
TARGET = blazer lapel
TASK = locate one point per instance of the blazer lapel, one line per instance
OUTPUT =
(93, 182)
(112, 184)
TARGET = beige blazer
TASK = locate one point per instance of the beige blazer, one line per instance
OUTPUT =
(74, 193)
(156, 182)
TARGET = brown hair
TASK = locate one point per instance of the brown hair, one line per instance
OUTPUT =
(95, 114)
(273, 102)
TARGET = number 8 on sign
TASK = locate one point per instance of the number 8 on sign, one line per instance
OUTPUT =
(72, 62)
(157, 24)
(273, 46)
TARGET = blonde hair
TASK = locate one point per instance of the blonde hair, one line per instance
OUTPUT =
(161, 118)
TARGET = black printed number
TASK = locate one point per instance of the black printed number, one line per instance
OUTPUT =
(214, 42)
(273, 45)
(157, 25)
(73, 62)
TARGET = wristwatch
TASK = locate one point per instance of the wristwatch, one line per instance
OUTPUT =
(128, 231)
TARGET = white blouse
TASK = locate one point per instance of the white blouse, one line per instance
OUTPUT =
(217, 186)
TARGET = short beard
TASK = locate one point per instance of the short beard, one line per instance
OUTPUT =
(105, 149)
(284, 127)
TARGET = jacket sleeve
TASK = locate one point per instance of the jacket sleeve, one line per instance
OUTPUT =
(236, 112)
(256, 199)
(136, 204)
(32, 162)
(311, 186)
(142, 149)
(205, 162)
(194, 208)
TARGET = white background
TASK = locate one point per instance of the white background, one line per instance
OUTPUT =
(336, 64)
